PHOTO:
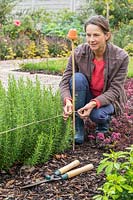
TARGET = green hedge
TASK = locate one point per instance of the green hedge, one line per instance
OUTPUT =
(26, 103)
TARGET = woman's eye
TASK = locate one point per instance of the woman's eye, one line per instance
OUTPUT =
(95, 35)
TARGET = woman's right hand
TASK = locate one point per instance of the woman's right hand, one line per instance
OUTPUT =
(68, 109)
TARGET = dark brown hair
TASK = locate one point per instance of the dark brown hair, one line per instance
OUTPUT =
(100, 21)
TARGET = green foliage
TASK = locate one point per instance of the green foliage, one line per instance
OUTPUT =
(49, 65)
(123, 36)
(130, 67)
(35, 116)
(65, 20)
(129, 49)
(118, 168)
(5, 9)
(120, 11)
(58, 47)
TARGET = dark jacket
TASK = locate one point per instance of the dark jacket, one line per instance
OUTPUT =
(115, 71)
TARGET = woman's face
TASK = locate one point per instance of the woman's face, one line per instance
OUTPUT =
(96, 38)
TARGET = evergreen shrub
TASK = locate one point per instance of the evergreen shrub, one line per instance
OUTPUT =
(27, 103)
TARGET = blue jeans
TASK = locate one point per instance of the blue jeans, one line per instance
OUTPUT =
(83, 95)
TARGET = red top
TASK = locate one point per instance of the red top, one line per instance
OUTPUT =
(97, 81)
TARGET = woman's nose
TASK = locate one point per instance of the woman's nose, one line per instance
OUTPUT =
(92, 38)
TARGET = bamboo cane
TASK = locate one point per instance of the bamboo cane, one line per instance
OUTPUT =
(73, 93)
(72, 35)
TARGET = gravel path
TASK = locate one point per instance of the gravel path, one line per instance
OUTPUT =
(8, 68)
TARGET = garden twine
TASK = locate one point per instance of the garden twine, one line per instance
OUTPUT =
(34, 122)
(25, 125)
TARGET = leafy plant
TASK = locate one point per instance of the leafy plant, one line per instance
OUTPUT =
(118, 168)
(129, 49)
(31, 125)
(119, 11)
(123, 36)
(6, 7)
(130, 67)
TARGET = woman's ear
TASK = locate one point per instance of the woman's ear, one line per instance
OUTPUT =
(107, 36)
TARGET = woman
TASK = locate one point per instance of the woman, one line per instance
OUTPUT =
(100, 73)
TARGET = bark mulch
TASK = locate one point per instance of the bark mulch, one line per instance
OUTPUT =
(83, 186)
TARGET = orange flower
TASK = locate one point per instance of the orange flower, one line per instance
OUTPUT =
(17, 23)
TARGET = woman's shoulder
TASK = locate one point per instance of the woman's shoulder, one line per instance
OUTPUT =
(116, 51)
(82, 48)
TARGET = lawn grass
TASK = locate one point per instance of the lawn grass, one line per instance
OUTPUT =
(59, 65)
(130, 68)
(51, 65)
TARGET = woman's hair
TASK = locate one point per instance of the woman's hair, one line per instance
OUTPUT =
(100, 21)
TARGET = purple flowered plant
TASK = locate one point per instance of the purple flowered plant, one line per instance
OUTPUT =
(100, 136)
(115, 136)
(107, 140)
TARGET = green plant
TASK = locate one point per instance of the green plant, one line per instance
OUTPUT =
(123, 36)
(42, 48)
(49, 65)
(6, 7)
(130, 67)
(30, 51)
(118, 167)
(129, 49)
(119, 11)
(31, 129)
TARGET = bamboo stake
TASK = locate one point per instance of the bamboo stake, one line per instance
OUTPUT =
(73, 93)
(72, 35)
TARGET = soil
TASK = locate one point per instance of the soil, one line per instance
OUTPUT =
(83, 186)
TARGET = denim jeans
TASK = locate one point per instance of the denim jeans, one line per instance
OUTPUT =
(101, 116)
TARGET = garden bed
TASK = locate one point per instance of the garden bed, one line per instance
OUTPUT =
(83, 186)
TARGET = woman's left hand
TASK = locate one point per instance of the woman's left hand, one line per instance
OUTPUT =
(85, 111)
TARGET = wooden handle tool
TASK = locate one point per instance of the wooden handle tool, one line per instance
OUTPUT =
(67, 167)
(78, 171)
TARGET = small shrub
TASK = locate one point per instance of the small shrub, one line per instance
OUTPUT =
(42, 48)
(129, 49)
(123, 36)
(31, 125)
(30, 51)
(118, 167)
(58, 47)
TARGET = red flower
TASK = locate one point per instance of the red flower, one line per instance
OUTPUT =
(17, 23)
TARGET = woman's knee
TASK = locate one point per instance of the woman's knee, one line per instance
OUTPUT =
(98, 116)
(80, 81)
